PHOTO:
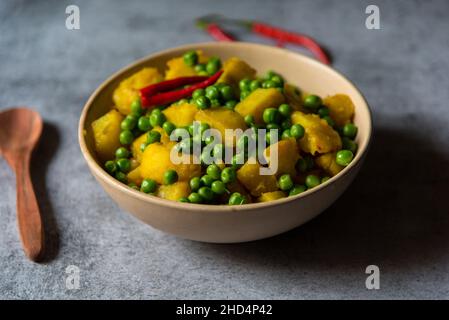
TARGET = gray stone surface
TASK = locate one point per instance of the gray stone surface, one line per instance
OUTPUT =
(395, 215)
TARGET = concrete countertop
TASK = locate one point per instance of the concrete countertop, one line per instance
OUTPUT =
(395, 215)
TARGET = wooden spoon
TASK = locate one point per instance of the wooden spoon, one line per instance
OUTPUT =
(20, 129)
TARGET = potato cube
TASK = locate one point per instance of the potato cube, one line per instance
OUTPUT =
(181, 114)
(319, 136)
(106, 132)
(270, 196)
(235, 70)
(327, 163)
(287, 156)
(134, 176)
(249, 175)
(258, 101)
(341, 108)
(174, 191)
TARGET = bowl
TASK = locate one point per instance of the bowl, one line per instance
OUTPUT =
(222, 223)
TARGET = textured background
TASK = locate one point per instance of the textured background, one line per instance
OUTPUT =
(395, 215)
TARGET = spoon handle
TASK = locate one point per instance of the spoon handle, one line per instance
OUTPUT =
(28, 214)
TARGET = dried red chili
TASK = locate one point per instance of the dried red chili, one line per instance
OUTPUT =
(161, 98)
(171, 84)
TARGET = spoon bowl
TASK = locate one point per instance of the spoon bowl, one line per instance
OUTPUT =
(20, 129)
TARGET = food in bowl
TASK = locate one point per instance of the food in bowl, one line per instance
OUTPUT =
(187, 112)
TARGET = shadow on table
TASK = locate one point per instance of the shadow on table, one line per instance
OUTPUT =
(42, 157)
(394, 213)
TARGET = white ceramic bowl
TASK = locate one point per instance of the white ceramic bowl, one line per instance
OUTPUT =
(222, 223)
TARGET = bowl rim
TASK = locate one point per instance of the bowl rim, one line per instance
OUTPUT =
(98, 170)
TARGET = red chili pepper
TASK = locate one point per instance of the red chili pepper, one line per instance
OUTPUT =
(171, 84)
(172, 96)
(292, 37)
(217, 33)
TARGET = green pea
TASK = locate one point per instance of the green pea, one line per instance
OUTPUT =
(285, 110)
(170, 177)
(157, 119)
(278, 80)
(207, 180)
(270, 74)
(128, 123)
(271, 115)
(110, 166)
(121, 153)
(123, 165)
(350, 130)
(244, 85)
(230, 104)
(148, 186)
(270, 137)
(301, 165)
(184, 199)
(153, 136)
(168, 127)
(144, 124)
(249, 119)
(236, 199)
(195, 198)
(227, 92)
(195, 183)
(206, 193)
(200, 67)
(228, 175)
(202, 102)
(198, 93)
(329, 121)
(286, 134)
(255, 84)
(136, 108)
(312, 181)
(244, 94)
(344, 157)
(323, 112)
(213, 171)
(213, 65)
(209, 139)
(218, 187)
(286, 124)
(126, 137)
(297, 190)
(324, 179)
(312, 102)
(297, 131)
(269, 84)
(120, 176)
(212, 92)
(285, 182)
(191, 58)
(215, 103)
(349, 144)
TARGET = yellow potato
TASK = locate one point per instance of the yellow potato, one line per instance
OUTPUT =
(288, 154)
(327, 163)
(106, 131)
(319, 137)
(341, 108)
(174, 191)
(177, 68)
(270, 196)
(258, 101)
(135, 147)
(134, 176)
(156, 160)
(235, 70)
(221, 119)
(181, 114)
(293, 98)
(128, 89)
(249, 175)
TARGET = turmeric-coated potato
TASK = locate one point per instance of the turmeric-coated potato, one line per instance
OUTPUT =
(222, 119)
(235, 70)
(174, 191)
(181, 114)
(287, 156)
(327, 163)
(176, 67)
(341, 108)
(136, 146)
(128, 89)
(156, 160)
(270, 196)
(134, 176)
(249, 175)
(258, 101)
(106, 131)
(319, 136)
